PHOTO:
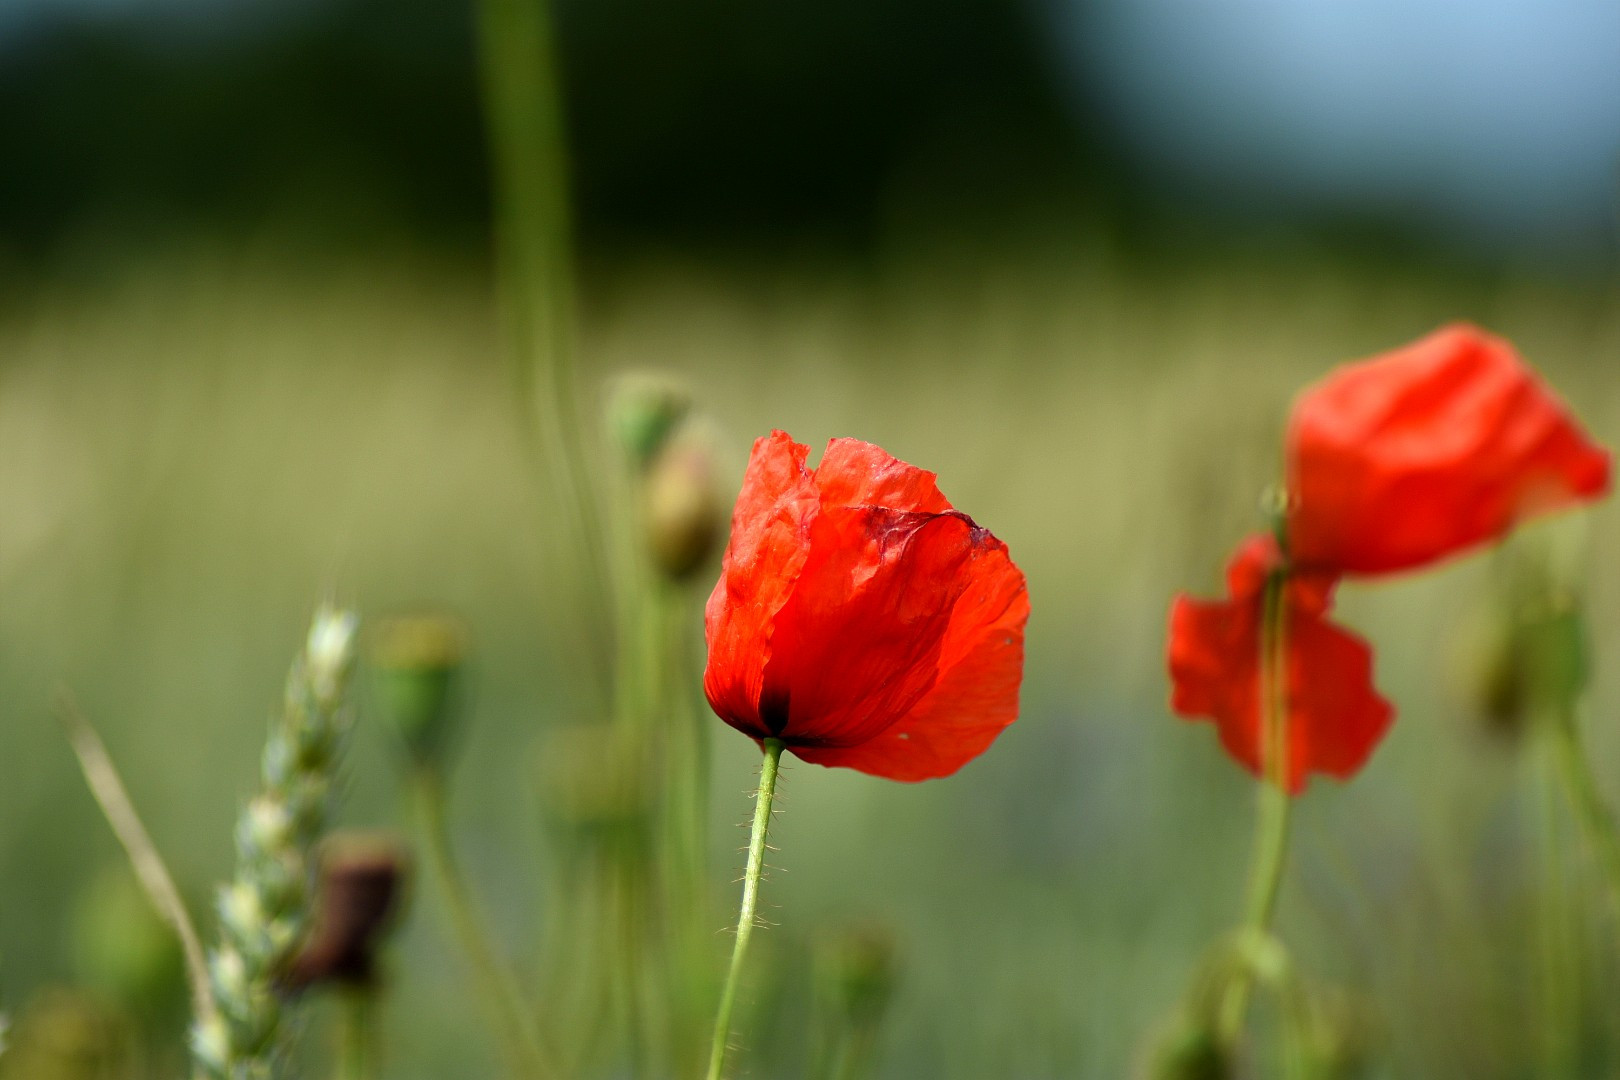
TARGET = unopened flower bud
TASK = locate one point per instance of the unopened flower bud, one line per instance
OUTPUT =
(643, 408)
(589, 776)
(857, 971)
(362, 879)
(682, 506)
(416, 660)
(122, 947)
(1191, 1052)
(66, 1035)
(1340, 1036)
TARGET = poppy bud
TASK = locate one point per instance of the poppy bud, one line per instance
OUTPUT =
(66, 1035)
(856, 971)
(682, 508)
(361, 878)
(589, 778)
(1191, 1052)
(1555, 651)
(643, 408)
(1496, 683)
(122, 948)
(415, 660)
(1340, 1034)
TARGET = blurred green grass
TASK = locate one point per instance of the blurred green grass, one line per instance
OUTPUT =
(196, 448)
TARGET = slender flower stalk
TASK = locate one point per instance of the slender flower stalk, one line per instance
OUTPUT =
(1273, 805)
(503, 998)
(357, 1041)
(750, 900)
(1557, 1012)
(523, 119)
(264, 910)
(1592, 814)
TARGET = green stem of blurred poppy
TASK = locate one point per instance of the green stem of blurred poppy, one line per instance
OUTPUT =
(523, 117)
(1558, 1006)
(504, 1000)
(358, 1035)
(750, 899)
(1593, 815)
(1271, 824)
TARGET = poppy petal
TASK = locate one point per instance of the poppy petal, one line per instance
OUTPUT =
(1338, 715)
(1428, 451)
(859, 641)
(856, 473)
(981, 664)
(1335, 715)
(769, 544)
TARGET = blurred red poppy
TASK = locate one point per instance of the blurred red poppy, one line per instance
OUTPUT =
(1393, 463)
(859, 618)
(1428, 451)
(1335, 717)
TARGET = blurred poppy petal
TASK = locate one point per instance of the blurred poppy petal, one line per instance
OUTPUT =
(1427, 451)
(1335, 716)
(981, 664)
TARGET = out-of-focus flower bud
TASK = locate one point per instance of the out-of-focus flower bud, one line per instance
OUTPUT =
(1535, 660)
(856, 972)
(1191, 1052)
(643, 408)
(66, 1035)
(1555, 649)
(122, 948)
(589, 778)
(681, 505)
(362, 879)
(1340, 1038)
(415, 661)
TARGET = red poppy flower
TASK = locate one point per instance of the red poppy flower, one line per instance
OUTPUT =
(1334, 715)
(859, 618)
(1428, 451)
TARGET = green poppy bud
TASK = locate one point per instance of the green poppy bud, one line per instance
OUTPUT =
(122, 948)
(682, 507)
(1191, 1052)
(856, 971)
(415, 663)
(643, 408)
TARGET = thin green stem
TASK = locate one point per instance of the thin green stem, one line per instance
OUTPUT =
(150, 869)
(1559, 964)
(750, 900)
(524, 126)
(1593, 815)
(357, 1035)
(1273, 801)
(502, 996)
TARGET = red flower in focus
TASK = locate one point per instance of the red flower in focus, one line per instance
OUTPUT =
(859, 618)
(1428, 451)
(1334, 716)
(1393, 463)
